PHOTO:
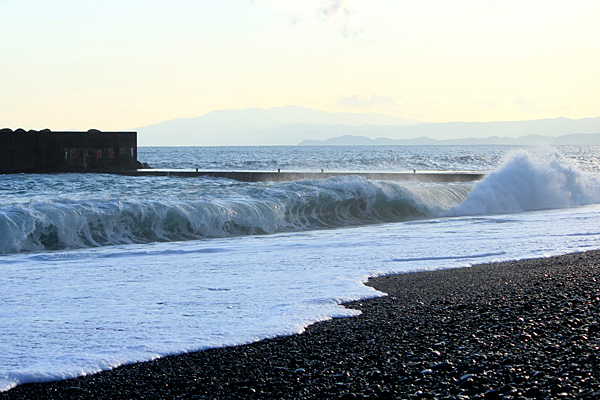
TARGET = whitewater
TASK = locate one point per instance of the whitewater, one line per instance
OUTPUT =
(101, 270)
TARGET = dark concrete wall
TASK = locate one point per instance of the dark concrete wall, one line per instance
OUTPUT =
(47, 151)
(265, 176)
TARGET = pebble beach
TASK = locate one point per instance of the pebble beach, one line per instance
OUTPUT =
(513, 330)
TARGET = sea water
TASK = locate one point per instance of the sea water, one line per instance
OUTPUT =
(101, 270)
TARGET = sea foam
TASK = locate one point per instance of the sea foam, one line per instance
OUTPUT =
(529, 181)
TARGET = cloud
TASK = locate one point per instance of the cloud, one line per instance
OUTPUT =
(336, 10)
(329, 11)
(484, 103)
(373, 101)
(527, 106)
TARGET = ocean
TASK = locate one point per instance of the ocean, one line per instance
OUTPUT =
(100, 270)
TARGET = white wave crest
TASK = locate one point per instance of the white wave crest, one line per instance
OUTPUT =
(530, 181)
(64, 223)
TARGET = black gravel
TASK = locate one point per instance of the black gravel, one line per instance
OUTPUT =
(528, 329)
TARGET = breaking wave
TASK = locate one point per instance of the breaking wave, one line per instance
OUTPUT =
(347, 201)
(531, 181)
(526, 181)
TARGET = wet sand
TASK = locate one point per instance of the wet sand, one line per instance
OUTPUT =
(526, 329)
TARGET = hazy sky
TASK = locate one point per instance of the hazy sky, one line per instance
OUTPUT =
(126, 64)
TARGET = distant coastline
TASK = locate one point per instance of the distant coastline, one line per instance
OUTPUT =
(582, 139)
(290, 125)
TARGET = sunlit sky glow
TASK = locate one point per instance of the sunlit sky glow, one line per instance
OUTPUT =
(125, 64)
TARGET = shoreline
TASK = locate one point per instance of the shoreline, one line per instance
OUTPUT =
(521, 329)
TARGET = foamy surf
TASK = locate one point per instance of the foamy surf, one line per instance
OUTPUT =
(529, 181)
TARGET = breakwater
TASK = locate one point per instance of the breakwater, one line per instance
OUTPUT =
(280, 176)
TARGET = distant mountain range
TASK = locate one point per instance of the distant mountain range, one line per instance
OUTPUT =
(349, 140)
(291, 125)
(256, 126)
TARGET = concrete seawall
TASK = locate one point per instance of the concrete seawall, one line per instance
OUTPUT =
(57, 151)
(267, 176)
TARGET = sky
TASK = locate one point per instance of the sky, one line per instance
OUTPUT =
(116, 65)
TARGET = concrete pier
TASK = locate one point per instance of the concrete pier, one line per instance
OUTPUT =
(48, 151)
(274, 176)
